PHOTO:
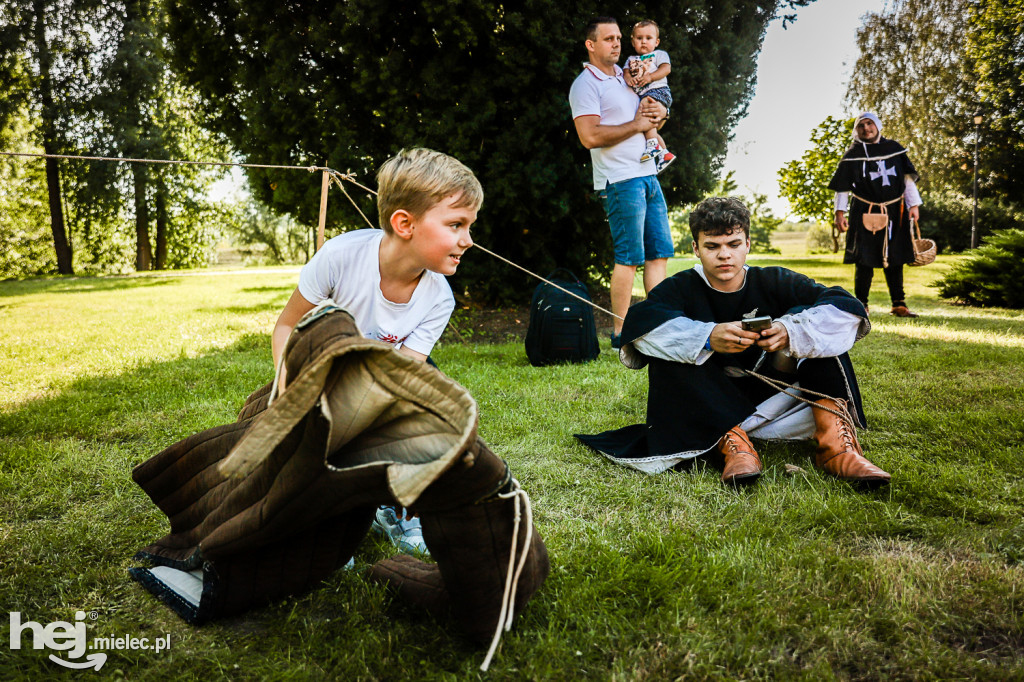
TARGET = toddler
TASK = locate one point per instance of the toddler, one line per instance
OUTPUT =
(647, 73)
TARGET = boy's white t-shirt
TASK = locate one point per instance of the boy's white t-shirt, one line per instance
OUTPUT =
(651, 62)
(346, 270)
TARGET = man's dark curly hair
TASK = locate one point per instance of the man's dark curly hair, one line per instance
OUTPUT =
(719, 215)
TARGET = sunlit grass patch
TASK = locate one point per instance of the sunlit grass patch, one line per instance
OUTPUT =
(665, 577)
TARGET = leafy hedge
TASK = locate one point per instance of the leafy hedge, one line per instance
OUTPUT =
(946, 218)
(994, 276)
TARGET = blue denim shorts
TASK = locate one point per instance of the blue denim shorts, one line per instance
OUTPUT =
(663, 95)
(638, 218)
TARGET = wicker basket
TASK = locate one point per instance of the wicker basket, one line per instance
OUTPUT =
(924, 249)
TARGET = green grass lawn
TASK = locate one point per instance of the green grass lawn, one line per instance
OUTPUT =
(672, 576)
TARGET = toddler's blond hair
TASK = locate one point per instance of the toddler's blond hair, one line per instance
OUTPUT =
(416, 179)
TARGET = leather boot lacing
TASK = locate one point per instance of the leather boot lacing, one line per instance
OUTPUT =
(508, 599)
(849, 440)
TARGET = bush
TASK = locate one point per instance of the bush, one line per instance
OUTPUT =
(946, 218)
(819, 239)
(993, 276)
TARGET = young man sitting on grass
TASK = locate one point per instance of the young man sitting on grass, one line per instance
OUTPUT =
(691, 332)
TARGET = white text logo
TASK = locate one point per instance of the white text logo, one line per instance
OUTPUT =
(71, 638)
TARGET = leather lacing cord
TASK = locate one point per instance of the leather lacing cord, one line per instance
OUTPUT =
(781, 387)
(508, 598)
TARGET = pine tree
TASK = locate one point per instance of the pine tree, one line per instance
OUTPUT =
(992, 276)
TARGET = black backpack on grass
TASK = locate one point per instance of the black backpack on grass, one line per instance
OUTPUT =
(561, 327)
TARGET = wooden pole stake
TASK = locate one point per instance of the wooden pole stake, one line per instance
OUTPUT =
(325, 184)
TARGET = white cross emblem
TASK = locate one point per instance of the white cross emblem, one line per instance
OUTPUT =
(883, 173)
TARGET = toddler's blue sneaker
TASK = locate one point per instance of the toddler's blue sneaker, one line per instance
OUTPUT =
(405, 534)
(616, 341)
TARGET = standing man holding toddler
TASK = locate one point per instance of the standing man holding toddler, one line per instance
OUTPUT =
(611, 123)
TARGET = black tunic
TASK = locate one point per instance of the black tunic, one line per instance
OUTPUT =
(690, 407)
(876, 172)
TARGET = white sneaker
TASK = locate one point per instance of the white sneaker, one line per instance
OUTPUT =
(651, 152)
(405, 534)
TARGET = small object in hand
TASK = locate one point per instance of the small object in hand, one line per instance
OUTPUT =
(756, 324)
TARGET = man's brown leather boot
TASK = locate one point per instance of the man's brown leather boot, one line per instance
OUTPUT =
(742, 465)
(838, 451)
(902, 311)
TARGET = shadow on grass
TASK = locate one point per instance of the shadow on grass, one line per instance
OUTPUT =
(272, 306)
(80, 284)
(72, 519)
(151, 402)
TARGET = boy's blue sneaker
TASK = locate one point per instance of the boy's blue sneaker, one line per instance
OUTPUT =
(616, 341)
(405, 534)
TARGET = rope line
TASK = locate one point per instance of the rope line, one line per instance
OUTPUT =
(877, 203)
(348, 176)
(781, 387)
(336, 177)
(311, 169)
(876, 158)
(546, 281)
(508, 597)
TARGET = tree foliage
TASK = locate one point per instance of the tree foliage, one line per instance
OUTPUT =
(25, 244)
(349, 83)
(45, 48)
(804, 182)
(763, 221)
(145, 111)
(993, 276)
(995, 46)
(912, 71)
(93, 79)
(264, 236)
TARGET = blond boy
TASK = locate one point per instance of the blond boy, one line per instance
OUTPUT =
(392, 280)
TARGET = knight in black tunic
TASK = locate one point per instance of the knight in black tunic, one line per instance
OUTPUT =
(876, 176)
(702, 400)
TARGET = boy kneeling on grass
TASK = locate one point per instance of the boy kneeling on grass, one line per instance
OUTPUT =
(702, 330)
(285, 495)
(392, 280)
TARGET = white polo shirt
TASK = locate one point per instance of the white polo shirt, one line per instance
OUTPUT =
(595, 93)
